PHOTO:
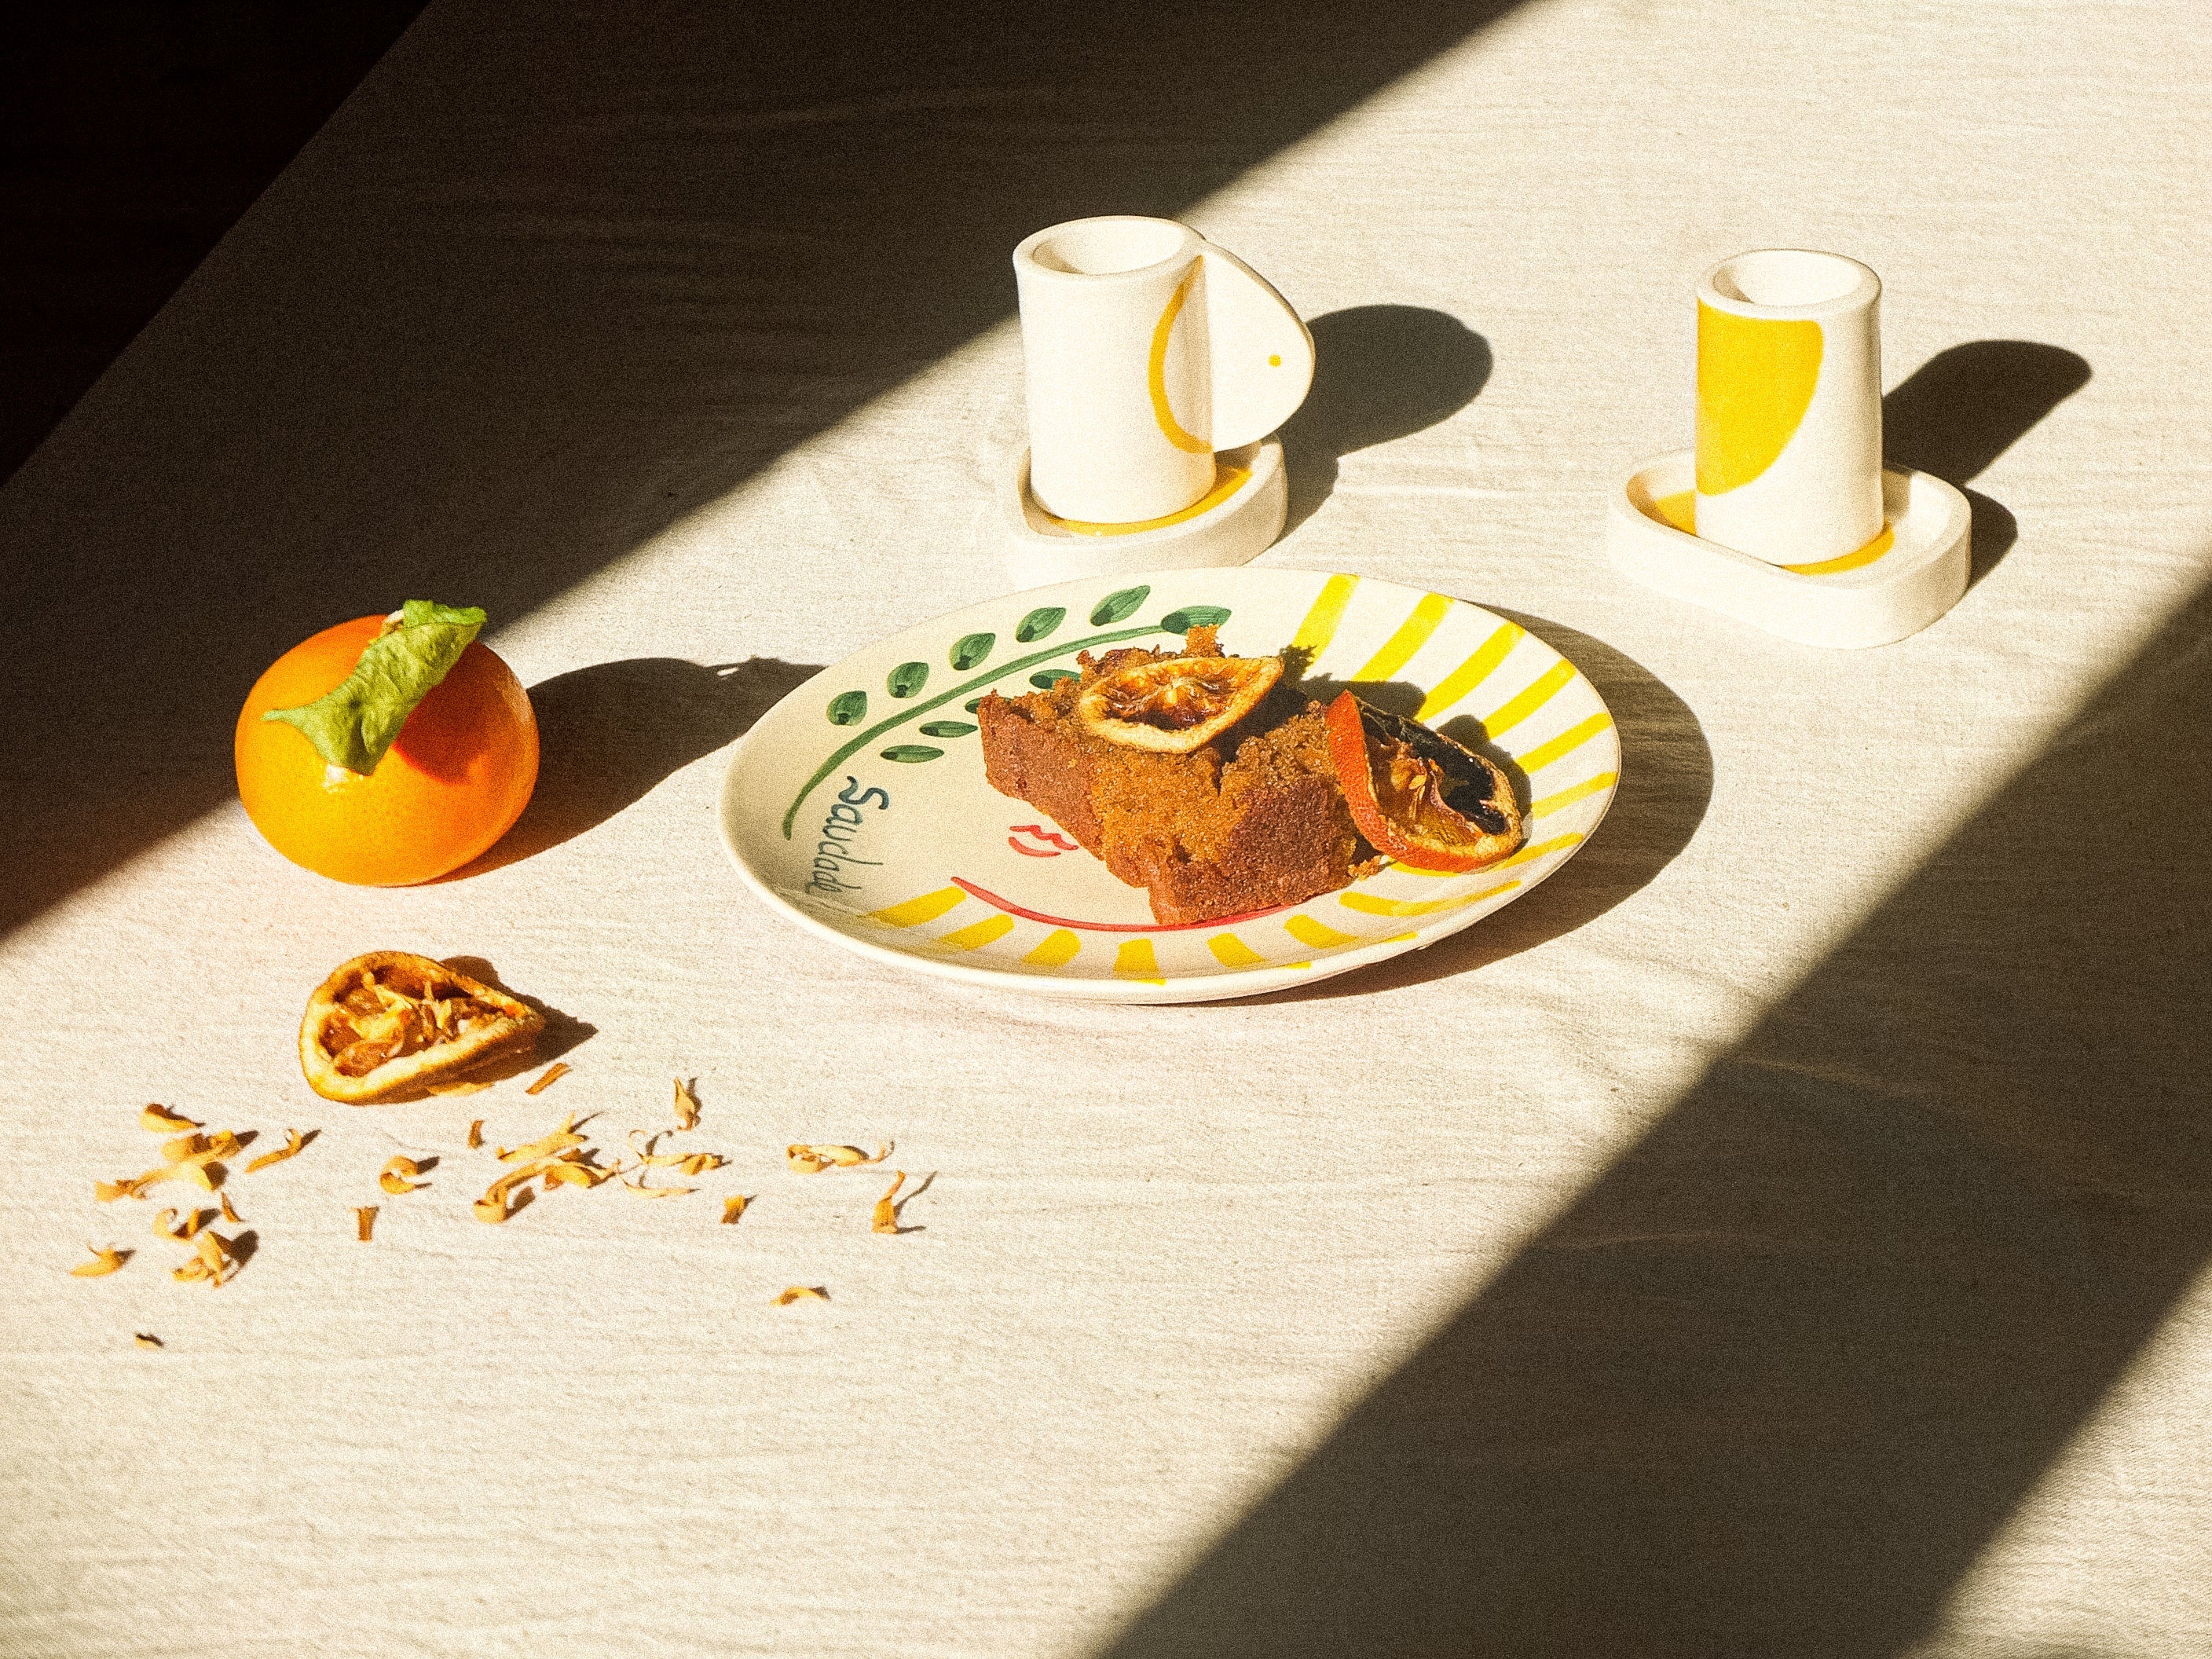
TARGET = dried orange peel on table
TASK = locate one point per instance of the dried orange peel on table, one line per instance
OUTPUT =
(1417, 796)
(390, 1023)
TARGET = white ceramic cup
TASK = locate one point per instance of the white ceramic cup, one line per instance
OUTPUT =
(1145, 349)
(1790, 405)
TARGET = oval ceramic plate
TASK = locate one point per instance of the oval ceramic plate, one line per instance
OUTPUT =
(858, 804)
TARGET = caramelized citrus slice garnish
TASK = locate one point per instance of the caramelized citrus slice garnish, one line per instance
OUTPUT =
(1418, 796)
(391, 1021)
(1178, 705)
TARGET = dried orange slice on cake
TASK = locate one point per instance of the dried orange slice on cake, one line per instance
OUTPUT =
(1418, 796)
(1175, 705)
(391, 1023)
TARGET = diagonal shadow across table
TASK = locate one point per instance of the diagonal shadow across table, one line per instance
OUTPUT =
(1772, 1384)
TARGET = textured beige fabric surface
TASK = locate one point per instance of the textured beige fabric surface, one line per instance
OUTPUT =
(1782, 1233)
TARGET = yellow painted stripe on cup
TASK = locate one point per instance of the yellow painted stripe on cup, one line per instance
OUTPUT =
(1536, 850)
(1369, 905)
(1307, 931)
(1056, 949)
(1565, 744)
(1565, 797)
(1836, 566)
(1755, 381)
(1135, 960)
(1527, 701)
(1156, 370)
(1320, 626)
(1413, 634)
(1227, 481)
(1398, 938)
(915, 911)
(1471, 672)
(1232, 952)
(968, 939)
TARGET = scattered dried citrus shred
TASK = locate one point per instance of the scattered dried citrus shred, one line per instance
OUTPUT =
(573, 1174)
(638, 1187)
(163, 1121)
(394, 1179)
(732, 1207)
(687, 1106)
(886, 1216)
(147, 1340)
(365, 1221)
(109, 1191)
(812, 1160)
(192, 1170)
(184, 1147)
(291, 1147)
(192, 1272)
(476, 1134)
(559, 1140)
(700, 1163)
(230, 1214)
(221, 1144)
(169, 1225)
(216, 1252)
(551, 1075)
(103, 1262)
(800, 1293)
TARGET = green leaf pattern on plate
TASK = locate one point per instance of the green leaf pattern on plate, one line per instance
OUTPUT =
(1116, 607)
(1040, 622)
(1194, 616)
(908, 679)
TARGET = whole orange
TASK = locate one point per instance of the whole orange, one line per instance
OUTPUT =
(452, 783)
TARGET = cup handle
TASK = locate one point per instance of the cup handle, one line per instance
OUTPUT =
(1262, 355)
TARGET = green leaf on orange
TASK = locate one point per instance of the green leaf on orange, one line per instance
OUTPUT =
(353, 724)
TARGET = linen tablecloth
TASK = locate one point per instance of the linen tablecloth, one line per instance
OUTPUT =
(1783, 1232)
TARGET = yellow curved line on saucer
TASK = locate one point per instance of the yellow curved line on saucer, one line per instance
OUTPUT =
(1232, 952)
(1567, 797)
(1136, 960)
(1320, 626)
(1755, 381)
(1565, 744)
(1227, 481)
(1413, 634)
(915, 911)
(1368, 904)
(1156, 376)
(982, 932)
(1307, 931)
(1835, 566)
(1528, 700)
(1056, 949)
(1679, 512)
(1471, 672)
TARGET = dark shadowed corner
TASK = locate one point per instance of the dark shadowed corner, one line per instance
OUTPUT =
(548, 284)
(1768, 1386)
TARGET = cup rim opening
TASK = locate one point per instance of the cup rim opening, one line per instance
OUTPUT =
(1036, 256)
(1789, 282)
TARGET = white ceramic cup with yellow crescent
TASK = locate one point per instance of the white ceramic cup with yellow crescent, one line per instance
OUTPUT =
(1145, 349)
(1790, 405)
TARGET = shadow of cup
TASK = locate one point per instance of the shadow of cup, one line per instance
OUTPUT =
(1380, 373)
